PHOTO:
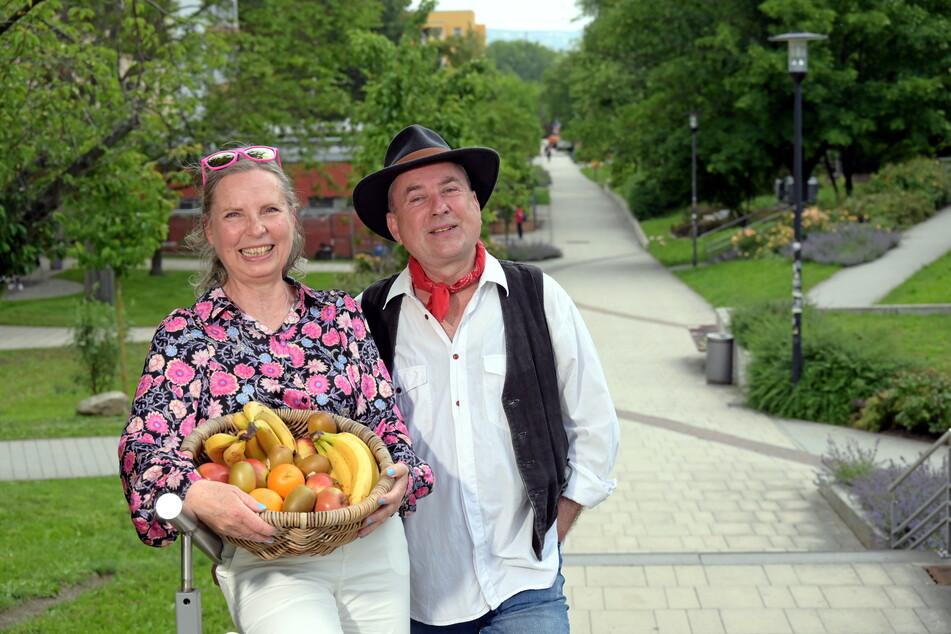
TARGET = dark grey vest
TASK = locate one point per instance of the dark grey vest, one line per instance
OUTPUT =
(530, 396)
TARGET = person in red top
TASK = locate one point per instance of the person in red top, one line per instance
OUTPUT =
(519, 219)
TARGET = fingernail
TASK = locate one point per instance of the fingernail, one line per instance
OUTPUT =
(261, 506)
(369, 521)
(382, 500)
(391, 472)
(270, 541)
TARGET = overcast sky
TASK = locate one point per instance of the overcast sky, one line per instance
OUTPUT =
(520, 15)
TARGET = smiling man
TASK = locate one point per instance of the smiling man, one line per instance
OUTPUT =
(501, 386)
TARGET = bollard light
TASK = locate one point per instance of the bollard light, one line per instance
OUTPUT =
(694, 125)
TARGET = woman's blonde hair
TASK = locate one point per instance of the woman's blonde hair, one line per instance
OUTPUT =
(212, 272)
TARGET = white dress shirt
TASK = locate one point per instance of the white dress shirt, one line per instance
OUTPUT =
(470, 540)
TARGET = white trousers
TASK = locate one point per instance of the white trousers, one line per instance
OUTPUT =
(362, 587)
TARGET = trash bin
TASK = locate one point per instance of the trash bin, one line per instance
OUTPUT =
(719, 357)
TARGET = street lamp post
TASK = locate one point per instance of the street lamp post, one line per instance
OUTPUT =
(693, 182)
(798, 66)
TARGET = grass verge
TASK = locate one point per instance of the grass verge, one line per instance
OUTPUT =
(60, 533)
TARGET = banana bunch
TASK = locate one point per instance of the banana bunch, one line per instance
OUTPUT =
(228, 449)
(354, 466)
(271, 428)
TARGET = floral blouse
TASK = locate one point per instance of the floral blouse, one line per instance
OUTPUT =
(209, 360)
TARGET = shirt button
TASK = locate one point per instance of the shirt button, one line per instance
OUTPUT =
(457, 403)
(425, 316)
(455, 356)
(399, 390)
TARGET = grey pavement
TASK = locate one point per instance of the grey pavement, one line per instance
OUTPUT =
(717, 524)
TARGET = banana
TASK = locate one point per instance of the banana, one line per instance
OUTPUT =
(254, 450)
(216, 444)
(266, 437)
(240, 421)
(256, 411)
(235, 452)
(360, 465)
(341, 468)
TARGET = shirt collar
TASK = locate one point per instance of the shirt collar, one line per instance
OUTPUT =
(493, 272)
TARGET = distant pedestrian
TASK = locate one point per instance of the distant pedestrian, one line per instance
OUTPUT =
(548, 152)
(519, 219)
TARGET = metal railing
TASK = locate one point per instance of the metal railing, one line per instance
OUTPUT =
(901, 536)
(719, 239)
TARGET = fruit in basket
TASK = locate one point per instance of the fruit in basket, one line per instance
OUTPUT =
(319, 481)
(314, 464)
(270, 499)
(234, 453)
(260, 472)
(216, 444)
(304, 447)
(329, 499)
(254, 450)
(284, 477)
(353, 463)
(301, 499)
(242, 476)
(256, 411)
(214, 471)
(280, 455)
(240, 421)
(267, 439)
(321, 421)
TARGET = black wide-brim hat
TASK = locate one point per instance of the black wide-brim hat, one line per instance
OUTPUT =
(413, 147)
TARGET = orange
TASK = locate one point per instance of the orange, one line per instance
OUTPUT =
(270, 499)
(284, 477)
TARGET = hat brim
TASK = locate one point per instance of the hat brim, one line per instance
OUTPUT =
(370, 196)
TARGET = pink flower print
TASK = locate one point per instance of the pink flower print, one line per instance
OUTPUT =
(156, 362)
(386, 390)
(175, 324)
(156, 531)
(223, 384)
(216, 332)
(214, 409)
(270, 385)
(297, 355)
(152, 473)
(279, 348)
(195, 389)
(179, 372)
(343, 384)
(317, 384)
(244, 371)
(328, 313)
(177, 391)
(353, 373)
(295, 399)
(349, 303)
(316, 366)
(359, 329)
(188, 425)
(380, 368)
(144, 384)
(311, 329)
(140, 525)
(128, 461)
(331, 338)
(135, 424)
(368, 387)
(156, 423)
(272, 370)
(201, 357)
(204, 310)
(177, 408)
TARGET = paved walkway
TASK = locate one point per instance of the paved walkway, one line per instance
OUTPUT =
(717, 525)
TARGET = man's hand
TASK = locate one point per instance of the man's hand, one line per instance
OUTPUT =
(568, 512)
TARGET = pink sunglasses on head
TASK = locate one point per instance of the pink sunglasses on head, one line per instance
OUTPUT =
(224, 158)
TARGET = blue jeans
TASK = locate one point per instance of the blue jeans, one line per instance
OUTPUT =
(528, 612)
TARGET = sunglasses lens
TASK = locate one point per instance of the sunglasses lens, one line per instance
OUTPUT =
(220, 159)
(261, 153)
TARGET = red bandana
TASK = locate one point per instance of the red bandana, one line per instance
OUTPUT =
(438, 303)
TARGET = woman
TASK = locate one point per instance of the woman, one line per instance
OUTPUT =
(256, 334)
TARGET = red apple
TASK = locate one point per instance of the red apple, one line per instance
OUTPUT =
(319, 481)
(305, 447)
(260, 472)
(214, 471)
(330, 498)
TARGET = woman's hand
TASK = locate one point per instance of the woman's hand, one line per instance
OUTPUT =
(228, 511)
(389, 503)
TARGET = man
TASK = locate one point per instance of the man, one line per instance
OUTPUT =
(501, 387)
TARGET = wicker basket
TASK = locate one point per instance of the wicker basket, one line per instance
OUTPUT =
(304, 533)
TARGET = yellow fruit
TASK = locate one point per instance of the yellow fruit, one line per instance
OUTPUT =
(242, 476)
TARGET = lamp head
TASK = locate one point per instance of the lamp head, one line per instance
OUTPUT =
(798, 49)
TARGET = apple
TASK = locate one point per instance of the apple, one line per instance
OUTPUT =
(214, 471)
(260, 472)
(330, 498)
(305, 447)
(319, 482)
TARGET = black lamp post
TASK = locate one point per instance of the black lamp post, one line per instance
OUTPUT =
(798, 66)
(693, 182)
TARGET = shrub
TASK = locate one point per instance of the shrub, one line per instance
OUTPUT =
(839, 370)
(919, 401)
(531, 251)
(645, 197)
(919, 175)
(843, 467)
(896, 209)
(846, 245)
(95, 338)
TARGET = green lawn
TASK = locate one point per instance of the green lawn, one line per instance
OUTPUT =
(930, 285)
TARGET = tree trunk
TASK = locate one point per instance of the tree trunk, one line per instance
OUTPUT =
(120, 327)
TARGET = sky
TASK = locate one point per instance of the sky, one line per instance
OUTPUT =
(520, 15)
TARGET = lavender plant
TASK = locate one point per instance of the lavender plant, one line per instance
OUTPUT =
(848, 244)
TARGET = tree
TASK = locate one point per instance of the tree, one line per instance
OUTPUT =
(526, 60)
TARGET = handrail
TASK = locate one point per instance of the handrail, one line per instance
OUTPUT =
(945, 507)
(717, 244)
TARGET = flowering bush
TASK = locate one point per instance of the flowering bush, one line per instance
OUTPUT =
(776, 237)
(922, 175)
(847, 244)
(919, 401)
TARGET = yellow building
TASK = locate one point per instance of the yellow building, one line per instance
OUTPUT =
(443, 24)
